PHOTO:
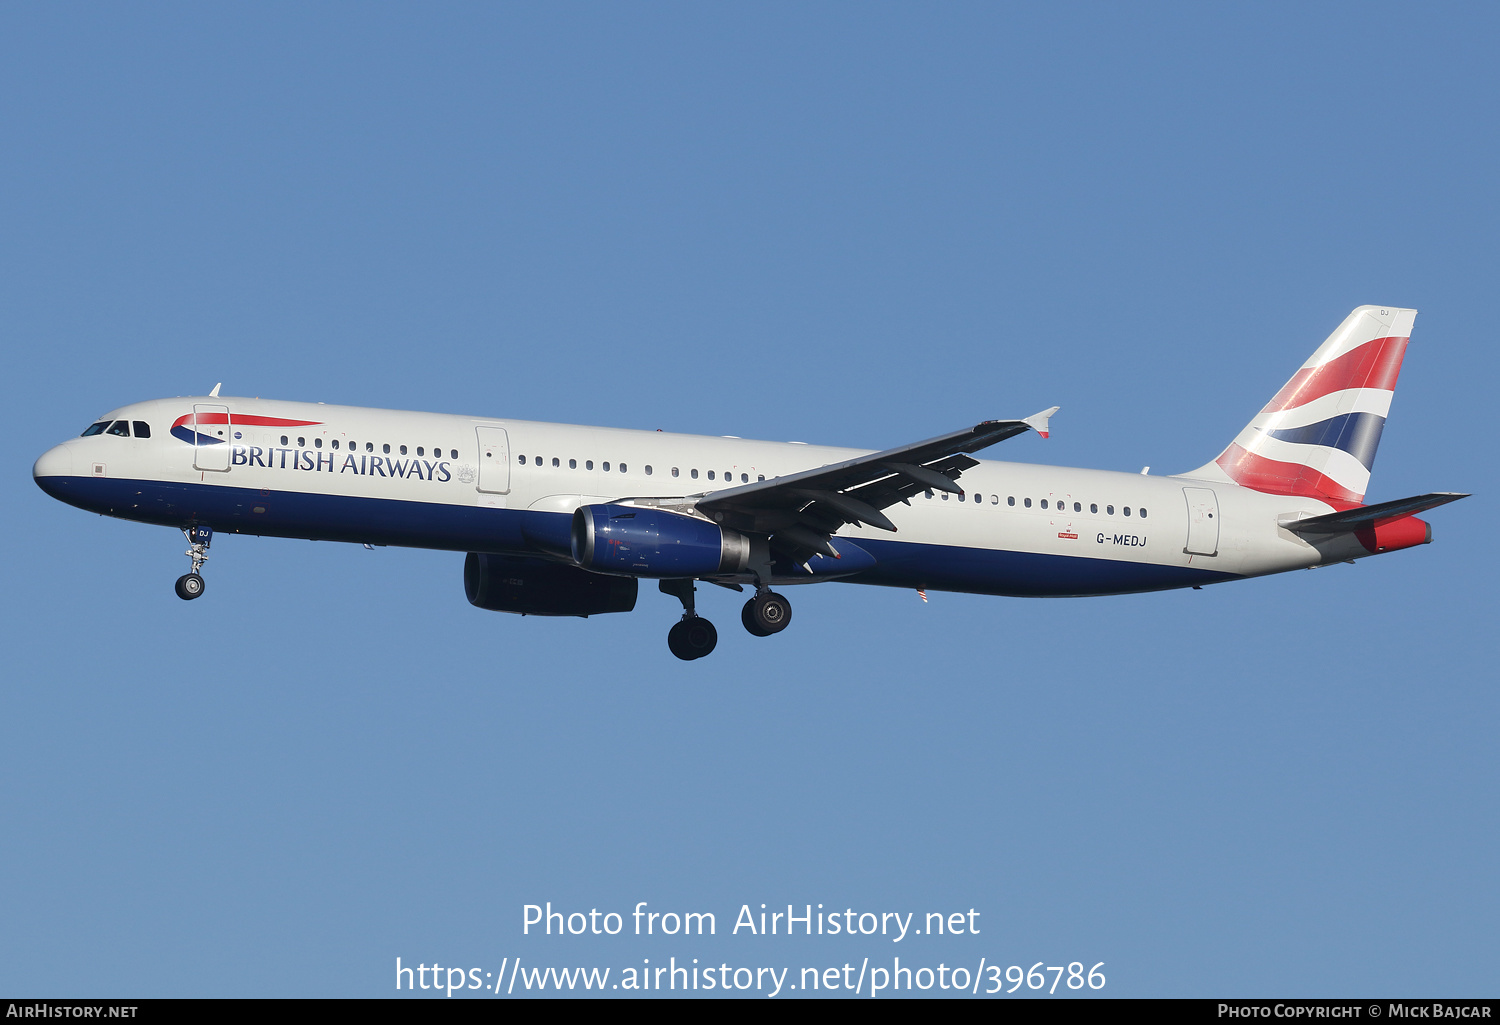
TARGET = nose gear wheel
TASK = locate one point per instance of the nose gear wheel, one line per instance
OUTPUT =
(190, 585)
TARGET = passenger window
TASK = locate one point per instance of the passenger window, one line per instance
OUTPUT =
(335, 443)
(606, 467)
(1143, 513)
(761, 477)
(1026, 502)
(648, 469)
(978, 497)
(623, 469)
(302, 443)
(929, 494)
(453, 454)
(572, 464)
(1109, 509)
(555, 460)
(419, 449)
(710, 475)
(1044, 503)
(120, 429)
(945, 496)
(1010, 500)
(1093, 507)
(383, 448)
(674, 471)
(369, 445)
(994, 500)
(1078, 507)
(1126, 510)
(403, 450)
(693, 474)
(283, 439)
(522, 458)
(744, 478)
(142, 429)
(588, 464)
(317, 443)
(93, 429)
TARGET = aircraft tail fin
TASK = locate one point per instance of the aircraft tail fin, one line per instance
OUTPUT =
(1317, 437)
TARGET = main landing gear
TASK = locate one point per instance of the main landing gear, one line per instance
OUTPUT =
(766, 614)
(190, 585)
(694, 636)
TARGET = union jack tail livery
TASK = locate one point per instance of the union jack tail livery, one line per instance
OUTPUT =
(1317, 437)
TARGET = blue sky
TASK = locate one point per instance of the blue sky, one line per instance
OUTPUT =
(851, 224)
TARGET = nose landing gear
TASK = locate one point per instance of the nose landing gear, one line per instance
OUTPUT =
(766, 614)
(694, 636)
(190, 585)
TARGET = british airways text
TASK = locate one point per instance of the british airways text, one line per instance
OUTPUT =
(365, 465)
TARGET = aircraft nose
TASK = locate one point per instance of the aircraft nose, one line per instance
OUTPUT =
(55, 462)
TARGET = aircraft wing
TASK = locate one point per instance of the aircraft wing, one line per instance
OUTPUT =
(1367, 516)
(801, 511)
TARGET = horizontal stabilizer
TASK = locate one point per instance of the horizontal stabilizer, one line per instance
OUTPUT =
(1367, 516)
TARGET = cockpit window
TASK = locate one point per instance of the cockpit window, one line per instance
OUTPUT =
(120, 429)
(141, 428)
(94, 429)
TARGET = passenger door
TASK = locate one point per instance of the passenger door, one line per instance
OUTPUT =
(1203, 522)
(211, 442)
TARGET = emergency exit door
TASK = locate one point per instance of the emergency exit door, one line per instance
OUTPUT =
(494, 460)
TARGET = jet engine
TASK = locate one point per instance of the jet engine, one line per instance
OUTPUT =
(652, 543)
(536, 587)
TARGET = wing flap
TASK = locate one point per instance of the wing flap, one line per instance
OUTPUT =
(802, 511)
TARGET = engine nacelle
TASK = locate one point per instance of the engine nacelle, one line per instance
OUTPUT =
(535, 587)
(653, 543)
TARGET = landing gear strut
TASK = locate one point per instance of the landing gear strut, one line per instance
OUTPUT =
(190, 585)
(694, 636)
(766, 614)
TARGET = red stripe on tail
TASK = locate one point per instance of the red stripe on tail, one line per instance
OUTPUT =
(1277, 478)
(1375, 364)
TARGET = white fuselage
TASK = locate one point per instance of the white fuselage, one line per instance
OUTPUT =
(457, 482)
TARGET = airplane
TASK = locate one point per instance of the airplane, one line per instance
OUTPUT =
(565, 520)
